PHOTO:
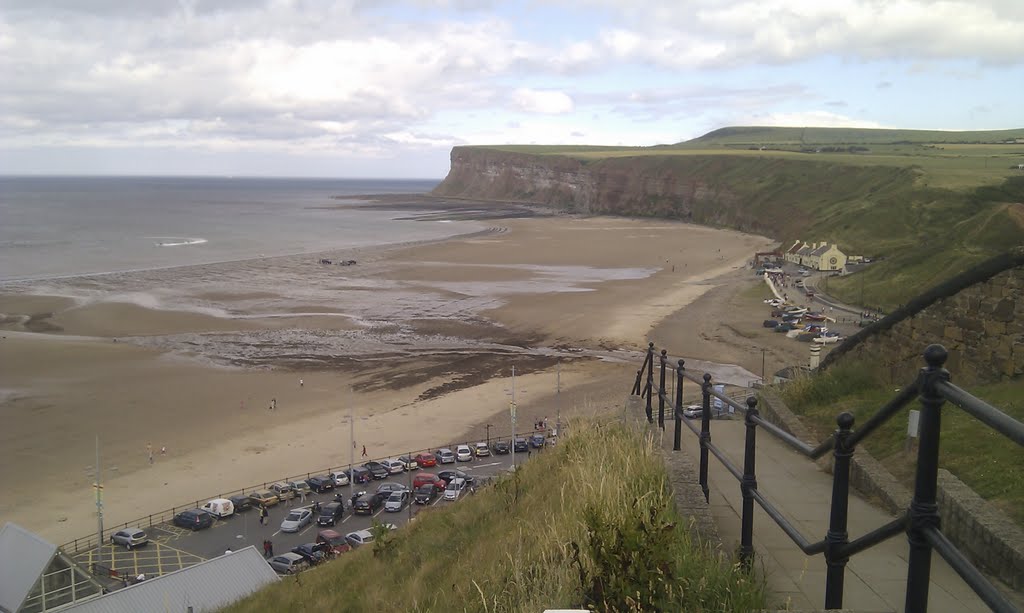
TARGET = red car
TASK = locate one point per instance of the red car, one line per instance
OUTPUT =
(334, 540)
(425, 478)
(426, 460)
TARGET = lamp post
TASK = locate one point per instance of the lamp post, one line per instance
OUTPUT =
(98, 486)
(762, 366)
(488, 428)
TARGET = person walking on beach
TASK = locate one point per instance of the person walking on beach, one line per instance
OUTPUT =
(364, 451)
(273, 403)
(149, 450)
(301, 382)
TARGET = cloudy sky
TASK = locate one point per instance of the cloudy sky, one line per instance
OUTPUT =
(384, 88)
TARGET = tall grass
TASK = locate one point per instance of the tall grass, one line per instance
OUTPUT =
(590, 523)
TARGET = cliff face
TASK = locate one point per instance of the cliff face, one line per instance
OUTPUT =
(749, 193)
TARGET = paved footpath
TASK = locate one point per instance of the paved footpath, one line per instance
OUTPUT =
(875, 579)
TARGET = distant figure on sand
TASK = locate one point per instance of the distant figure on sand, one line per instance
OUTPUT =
(301, 383)
(364, 451)
(273, 403)
(149, 450)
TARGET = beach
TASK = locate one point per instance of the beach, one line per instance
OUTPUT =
(417, 342)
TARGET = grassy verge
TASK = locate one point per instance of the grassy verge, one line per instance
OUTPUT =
(589, 523)
(986, 461)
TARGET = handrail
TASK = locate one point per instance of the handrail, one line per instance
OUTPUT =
(919, 522)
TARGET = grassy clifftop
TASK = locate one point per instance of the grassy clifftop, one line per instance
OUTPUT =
(588, 523)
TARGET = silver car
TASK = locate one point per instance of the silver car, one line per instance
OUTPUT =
(359, 537)
(288, 563)
(129, 537)
(396, 501)
(297, 520)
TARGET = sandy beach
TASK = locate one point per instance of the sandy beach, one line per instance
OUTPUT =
(418, 342)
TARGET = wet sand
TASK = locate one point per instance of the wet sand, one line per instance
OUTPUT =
(418, 342)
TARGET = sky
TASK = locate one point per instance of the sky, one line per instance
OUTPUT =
(385, 88)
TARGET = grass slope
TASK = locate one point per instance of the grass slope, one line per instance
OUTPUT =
(562, 532)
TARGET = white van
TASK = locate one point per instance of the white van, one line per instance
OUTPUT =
(219, 507)
(455, 487)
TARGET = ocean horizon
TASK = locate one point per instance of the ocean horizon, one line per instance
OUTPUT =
(63, 226)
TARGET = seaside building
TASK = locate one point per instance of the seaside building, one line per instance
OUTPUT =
(37, 576)
(817, 256)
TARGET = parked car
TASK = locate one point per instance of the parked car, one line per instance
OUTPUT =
(361, 475)
(448, 475)
(129, 538)
(394, 466)
(463, 453)
(427, 478)
(445, 456)
(537, 441)
(520, 444)
(409, 462)
(454, 488)
(243, 502)
(297, 520)
(320, 484)
(693, 411)
(193, 519)
(359, 537)
(367, 504)
(334, 540)
(377, 470)
(426, 493)
(396, 501)
(391, 487)
(481, 450)
(283, 491)
(330, 513)
(340, 477)
(426, 460)
(288, 563)
(501, 447)
(300, 487)
(266, 499)
(220, 508)
(313, 553)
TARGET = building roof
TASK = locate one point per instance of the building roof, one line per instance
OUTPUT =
(821, 250)
(23, 557)
(207, 586)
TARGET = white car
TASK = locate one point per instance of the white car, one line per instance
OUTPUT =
(693, 411)
(455, 487)
(359, 537)
(297, 520)
(395, 467)
(340, 477)
(482, 450)
(463, 453)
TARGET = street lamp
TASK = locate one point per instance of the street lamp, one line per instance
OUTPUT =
(488, 428)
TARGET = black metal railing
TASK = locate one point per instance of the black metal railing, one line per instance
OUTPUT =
(920, 522)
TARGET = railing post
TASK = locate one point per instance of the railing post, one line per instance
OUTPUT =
(838, 537)
(636, 386)
(748, 485)
(705, 435)
(661, 390)
(678, 434)
(650, 381)
(924, 512)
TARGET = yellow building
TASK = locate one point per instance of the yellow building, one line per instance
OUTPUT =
(820, 256)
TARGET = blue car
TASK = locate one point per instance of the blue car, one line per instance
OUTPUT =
(537, 441)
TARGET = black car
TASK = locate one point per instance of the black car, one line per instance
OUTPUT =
(448, 475)
(360, 475)
(330, 513)
(193, 519)
(521, 445)
(537, 441)
(378, 470)
(368, 503)
(243, 502)
(501, 447)
(320, 484)
(425, 494)
(312, 552)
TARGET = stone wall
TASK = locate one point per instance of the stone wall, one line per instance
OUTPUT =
(990, 539)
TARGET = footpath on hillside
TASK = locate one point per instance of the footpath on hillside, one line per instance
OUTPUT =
(875, 579)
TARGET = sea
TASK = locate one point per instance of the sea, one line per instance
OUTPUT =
(55, 227)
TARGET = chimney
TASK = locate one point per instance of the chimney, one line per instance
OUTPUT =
(815, 355)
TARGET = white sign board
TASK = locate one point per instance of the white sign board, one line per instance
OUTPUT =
(716, 402)
(913, 423)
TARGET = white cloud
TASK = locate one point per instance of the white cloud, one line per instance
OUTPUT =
(541, 101)
(819, 119)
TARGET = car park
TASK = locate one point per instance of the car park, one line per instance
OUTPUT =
(520, 444)
(463, 453)
(288, 563)
(391, 487)
(448, 475)
(394, 466)
(320, 484)
(297, 520)
(426, 493)
(425, 478)
(220, 508)
(501, 447)
(359, 538)
(334, 540)
(481, 450)
(243, 502)
(537, 441)
(377, 470)
(368, 503)
(129, 538)
(454, 488)
(265, 499)
(396, 501)
(330, 513)
(193, 519)
(426, 460)
(445, 456)
(340, 477)
(283, 491)
(409, 462)
(313, 553)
